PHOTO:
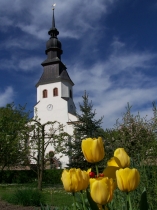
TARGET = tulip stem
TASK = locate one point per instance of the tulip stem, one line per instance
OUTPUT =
(83, 200)
(127, 201)
(130, 205)
(97, 171)
(103, 207)
(74, 200)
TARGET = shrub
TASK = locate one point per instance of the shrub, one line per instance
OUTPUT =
(17, 176)
(51, 176)
(26, 197)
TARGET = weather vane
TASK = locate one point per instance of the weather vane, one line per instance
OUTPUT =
(53, 6)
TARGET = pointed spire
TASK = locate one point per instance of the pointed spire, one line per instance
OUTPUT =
(53, 32)
(53, 45)
(53, 19)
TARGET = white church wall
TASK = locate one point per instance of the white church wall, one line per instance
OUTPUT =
(64, 91)
(59, 112)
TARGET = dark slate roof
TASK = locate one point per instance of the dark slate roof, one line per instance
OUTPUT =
(54, 73)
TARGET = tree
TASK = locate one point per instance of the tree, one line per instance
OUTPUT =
(110, 137)
(41, 136)
(134, 133)
(13, 135)
(86, 127)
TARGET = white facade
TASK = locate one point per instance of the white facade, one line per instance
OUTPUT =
(61, 105)
(60, 108)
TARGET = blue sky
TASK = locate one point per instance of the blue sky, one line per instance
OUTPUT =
(109, 48)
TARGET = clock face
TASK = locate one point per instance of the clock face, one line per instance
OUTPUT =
(49, 107)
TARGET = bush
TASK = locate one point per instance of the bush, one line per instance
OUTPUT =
(26, 197)
(51, 176)
(17, 176)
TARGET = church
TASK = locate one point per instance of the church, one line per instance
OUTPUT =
(55, 89)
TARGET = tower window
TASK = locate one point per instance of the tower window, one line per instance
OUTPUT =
(55, 92)
(44, 93)
(70, 93)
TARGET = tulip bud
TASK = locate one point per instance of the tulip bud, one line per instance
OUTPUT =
(75, 180)
(127, 179)
(120, 159)
(101, 190)
(93, 149)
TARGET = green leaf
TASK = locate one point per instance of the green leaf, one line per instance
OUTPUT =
(143, 201)
(93, 205)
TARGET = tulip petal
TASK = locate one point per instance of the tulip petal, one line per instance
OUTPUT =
(119, 180)
(124, 177)
(66, 180)
(114, 162)
(86, 149)
(101, 190)
(75, 180)
(85, 180)
(110, 172)
(100, 148)
(133, 179)
(122, 156)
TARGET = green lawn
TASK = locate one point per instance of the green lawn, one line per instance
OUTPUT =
(55, 196)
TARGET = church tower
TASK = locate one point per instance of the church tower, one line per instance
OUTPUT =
(55, 87)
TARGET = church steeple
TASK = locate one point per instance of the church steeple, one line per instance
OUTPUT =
(53, 45)
(55, 92)
(53, 19)
(54, 69)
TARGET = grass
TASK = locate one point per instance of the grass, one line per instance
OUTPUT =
(58, 197)
(55, 196)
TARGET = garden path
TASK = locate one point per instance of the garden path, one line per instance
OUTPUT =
(7, 206)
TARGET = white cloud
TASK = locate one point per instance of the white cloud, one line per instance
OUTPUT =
(112, 104)
(79, 16)
(24, 64)
(16, 43)
(6, 96)
(110, 96)
(29, 64)
(98, 77)
(5, 21)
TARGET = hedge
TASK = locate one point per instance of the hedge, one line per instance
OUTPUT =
(51, 176)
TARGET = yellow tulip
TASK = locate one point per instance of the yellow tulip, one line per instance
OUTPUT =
(93, 149)
(75, 180)
(127, 179)
(101, 190)
(84, 180)
(120, 159)
(110, 172)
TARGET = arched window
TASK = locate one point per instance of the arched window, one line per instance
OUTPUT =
(44, 93)
(71, 94)
(55, 92)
